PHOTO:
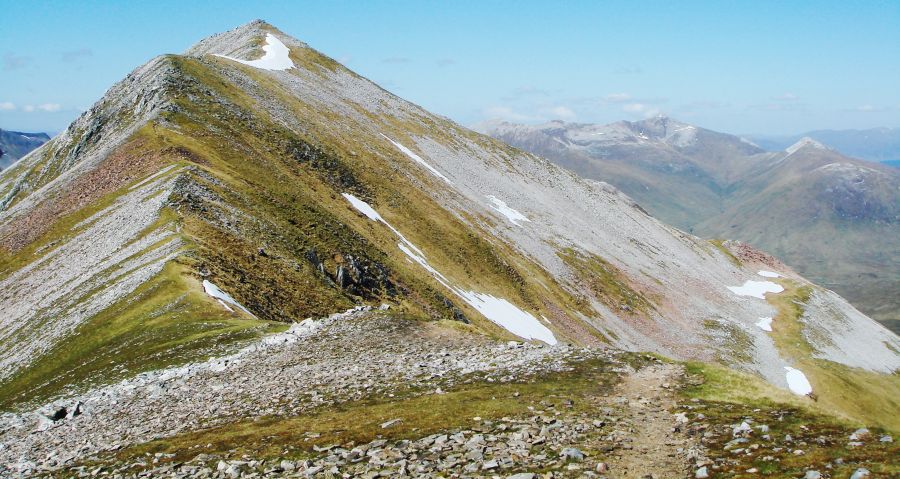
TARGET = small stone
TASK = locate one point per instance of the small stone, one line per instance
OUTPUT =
(812, 475)
(886, 438)
(743, 429)
(571, 454)
(287, 465)
(390, 423)
(602, 467)
(492, 464)
(799, 452)
(702, 473)
(522, 475)
(860, 473)
(860, 434)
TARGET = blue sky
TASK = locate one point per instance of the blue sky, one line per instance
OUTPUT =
(741, 67)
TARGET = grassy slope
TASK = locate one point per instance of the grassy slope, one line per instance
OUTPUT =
(727, 397)
(270, 202)
(853, 393)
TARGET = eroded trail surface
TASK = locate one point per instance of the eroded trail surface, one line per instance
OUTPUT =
(652, 444)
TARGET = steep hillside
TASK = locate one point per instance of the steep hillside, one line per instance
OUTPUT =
(832, 218)
(180, 258)
(835, 219)
(15, 145)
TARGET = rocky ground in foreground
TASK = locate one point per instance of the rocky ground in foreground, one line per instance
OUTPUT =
(365, 394)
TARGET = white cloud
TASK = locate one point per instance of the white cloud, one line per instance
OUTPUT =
(7, 106)
(47, 107)
(562, 112)
(786, 97)
(642, 109)
(505, 113)
(868, 108)
(618, 97)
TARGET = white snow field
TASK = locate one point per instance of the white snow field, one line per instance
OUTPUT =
(756, 289)
(418, 159)
(797, 382)
(768, 274)
(223, 297)
(512, 215)
(765, 324)
(276, 57)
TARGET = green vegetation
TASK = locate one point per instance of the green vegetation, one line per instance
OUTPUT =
(727, 397)
(606, 282)
(739, 345)
(854, 393)
(167, 321)
(358, 422)
(720, 245)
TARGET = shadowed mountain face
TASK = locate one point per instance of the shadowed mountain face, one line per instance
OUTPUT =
(15, 145)
(833, 218)
(159, 260)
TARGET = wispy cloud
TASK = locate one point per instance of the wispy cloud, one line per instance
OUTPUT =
(786, 97)
(617, 97)
(15, 62)
(396, 60)
(44, 107)
(506, 113)
(641, 109)
(76, 55)
(867, 109)
(561, 112)
(7, 106)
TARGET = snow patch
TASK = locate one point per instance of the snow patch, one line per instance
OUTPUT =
(765, 324)
(276, 57)
(768, 274)
(756, 289)
(797, 382)
(363, 208)
(224, 298)
(373, 215)
(497, 310)
(510, 214)
(418, 159)
(513, 319)
(805, 141)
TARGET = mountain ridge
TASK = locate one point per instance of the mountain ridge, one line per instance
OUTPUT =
(205, 208)
(718, 185)
(16, 144)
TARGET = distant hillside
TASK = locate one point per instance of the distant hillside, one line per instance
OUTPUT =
(874, 144)
(15, 145)
(833, 218)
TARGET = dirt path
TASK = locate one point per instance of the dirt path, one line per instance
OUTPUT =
(649, 447)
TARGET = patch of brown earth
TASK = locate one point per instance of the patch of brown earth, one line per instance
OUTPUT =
(127, 164)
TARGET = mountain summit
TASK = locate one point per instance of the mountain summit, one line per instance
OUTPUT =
(251, 230)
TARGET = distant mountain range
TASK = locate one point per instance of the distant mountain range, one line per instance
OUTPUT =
(15, 145)
(834, 218)
(874, 144)
(249, 253)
